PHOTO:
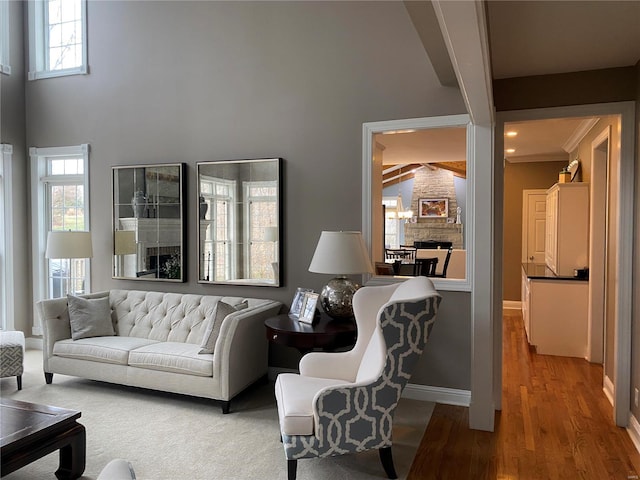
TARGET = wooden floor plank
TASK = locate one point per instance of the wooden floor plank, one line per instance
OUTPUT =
(555, 423)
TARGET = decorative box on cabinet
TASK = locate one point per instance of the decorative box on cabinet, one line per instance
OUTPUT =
(567, 228)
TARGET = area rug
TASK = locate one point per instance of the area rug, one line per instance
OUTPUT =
(175, 437)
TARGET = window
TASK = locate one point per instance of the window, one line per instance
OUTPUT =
(5, 66)
(57, 38)
(261, 199)
(60, 201)
(391, 237)
(6, 240)
(218, 245)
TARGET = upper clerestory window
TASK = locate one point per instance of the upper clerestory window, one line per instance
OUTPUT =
(57, 38)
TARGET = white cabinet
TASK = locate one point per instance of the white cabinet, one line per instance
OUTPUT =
(555, 315)
(567, 228)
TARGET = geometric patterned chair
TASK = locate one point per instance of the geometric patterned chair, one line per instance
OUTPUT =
(12, 355)
(344, 402)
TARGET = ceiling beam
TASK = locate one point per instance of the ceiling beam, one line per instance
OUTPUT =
(425, 22)
(464, 30)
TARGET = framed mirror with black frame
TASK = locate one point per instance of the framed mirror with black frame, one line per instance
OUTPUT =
(240, 222)
(148, 222)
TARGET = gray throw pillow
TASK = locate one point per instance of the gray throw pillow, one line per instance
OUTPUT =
(89, 317)
(213, 329)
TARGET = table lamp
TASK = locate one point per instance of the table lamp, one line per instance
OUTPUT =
(65, 244)
(341, 254)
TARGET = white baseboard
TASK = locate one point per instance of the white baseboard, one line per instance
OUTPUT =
(609, 389)
(511, 305)
(425, 393)
(634, 431)
(447, 396)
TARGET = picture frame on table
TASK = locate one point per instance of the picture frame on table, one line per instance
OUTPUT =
(296, 304)
(309, 304)
(433, 207)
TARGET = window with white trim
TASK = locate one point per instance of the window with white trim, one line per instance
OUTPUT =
(5, 53)
(60, 201)
(391, 223)
(57, 38)
(261, 199)
(218, 244)
(6, 239)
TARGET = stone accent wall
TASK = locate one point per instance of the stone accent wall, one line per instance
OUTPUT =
(436, 183)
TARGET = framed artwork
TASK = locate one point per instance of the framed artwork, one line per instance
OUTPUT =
(298, 298)
(308, 311)
(433, 207)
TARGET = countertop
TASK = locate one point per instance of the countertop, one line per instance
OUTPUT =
(540, 271)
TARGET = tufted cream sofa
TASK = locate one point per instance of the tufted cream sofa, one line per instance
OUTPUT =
(157, 340)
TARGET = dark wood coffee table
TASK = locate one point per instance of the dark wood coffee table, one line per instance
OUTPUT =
(31, 431)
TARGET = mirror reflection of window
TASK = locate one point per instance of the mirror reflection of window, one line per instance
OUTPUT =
(239, 223)
(261, 198)
(216, 222)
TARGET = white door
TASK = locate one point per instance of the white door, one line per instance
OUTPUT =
(533, 225)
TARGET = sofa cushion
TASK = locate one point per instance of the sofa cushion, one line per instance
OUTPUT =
(89, 317)
(213, 327)
(100, 349)
(295, 401)
(173, 357)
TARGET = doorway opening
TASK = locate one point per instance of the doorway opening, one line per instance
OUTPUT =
(606, 162)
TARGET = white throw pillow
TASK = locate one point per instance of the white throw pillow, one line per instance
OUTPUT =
(89, 317)
(213, 329)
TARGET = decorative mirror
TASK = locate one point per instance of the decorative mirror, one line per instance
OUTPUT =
(148, 222)
(239, 224)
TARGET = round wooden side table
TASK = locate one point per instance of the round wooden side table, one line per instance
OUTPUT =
(326, 333)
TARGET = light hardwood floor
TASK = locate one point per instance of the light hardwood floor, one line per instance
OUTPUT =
(555, 423)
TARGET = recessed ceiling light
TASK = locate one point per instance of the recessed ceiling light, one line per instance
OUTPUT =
(510, 150)
(511, 133)
(393, 132)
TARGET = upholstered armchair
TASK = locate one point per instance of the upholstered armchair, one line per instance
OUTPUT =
(344, 402)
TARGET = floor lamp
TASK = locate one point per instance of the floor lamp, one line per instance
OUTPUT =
(67, 245)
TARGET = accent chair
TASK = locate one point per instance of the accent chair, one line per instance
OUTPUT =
(344, 402)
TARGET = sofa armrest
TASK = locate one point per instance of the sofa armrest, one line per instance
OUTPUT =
(241, 353)
(54, 318)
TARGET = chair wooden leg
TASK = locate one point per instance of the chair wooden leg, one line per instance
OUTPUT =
(225, 404)
(292, 467)
(19, 378)
(387, 462)
(48, 377)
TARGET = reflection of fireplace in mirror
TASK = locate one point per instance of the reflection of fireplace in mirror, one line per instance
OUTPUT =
(158, 244)
(163, 261)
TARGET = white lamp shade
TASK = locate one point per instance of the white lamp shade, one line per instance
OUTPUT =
(67, 244)
(125, 242)
(341, 253)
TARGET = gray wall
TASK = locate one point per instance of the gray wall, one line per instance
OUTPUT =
(12, 131)
(178, 81)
